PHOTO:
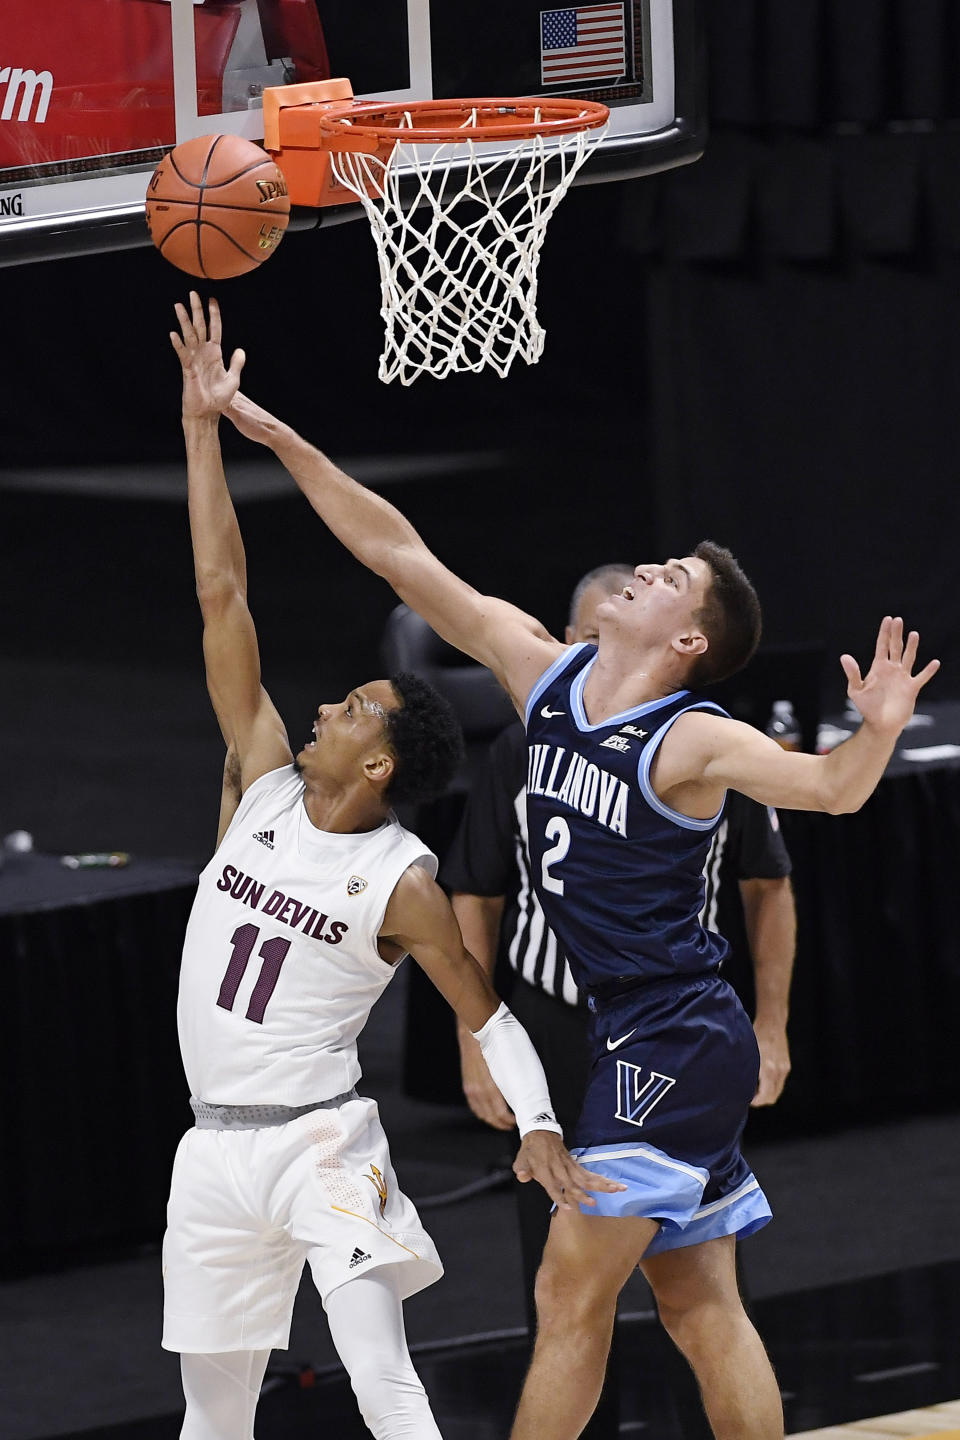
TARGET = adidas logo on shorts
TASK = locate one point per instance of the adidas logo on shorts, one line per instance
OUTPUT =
(265, 837)
(358, 1257)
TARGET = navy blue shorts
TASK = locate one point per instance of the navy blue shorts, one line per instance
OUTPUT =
(675, 1066)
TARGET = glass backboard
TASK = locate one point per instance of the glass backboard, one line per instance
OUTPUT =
(94, 93)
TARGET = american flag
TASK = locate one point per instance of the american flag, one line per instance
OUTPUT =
(582, 44)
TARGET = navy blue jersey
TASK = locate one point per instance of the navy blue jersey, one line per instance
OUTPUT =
(619, 874)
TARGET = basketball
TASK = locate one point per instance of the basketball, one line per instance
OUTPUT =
(217, 206)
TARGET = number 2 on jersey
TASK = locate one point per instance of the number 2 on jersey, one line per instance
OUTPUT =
(274, 953)
(556, 829)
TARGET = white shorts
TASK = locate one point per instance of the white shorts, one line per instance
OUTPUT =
(248, 1207)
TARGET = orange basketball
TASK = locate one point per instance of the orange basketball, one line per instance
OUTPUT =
(217, 206)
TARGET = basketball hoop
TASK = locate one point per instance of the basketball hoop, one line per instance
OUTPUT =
(458, 194)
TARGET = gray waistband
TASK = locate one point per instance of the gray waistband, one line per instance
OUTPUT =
(257, 1117)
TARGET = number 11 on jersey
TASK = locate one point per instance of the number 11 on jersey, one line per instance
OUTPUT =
(273, 951)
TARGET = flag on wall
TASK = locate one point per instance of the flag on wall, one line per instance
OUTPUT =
(582, 44)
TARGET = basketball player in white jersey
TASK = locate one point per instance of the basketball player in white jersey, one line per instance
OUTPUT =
(313, 896)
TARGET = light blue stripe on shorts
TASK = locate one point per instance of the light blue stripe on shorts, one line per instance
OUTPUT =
(741, 1213)
(671, 1191)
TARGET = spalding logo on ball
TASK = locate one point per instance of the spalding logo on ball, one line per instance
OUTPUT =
(217, 206)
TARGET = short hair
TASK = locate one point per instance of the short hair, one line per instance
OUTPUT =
(730, 618)
(425, 737)
(614, 570)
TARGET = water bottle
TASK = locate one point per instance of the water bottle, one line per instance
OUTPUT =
(784, 726)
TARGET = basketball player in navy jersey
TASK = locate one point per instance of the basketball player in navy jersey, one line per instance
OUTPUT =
(314, 895)
(628, 768)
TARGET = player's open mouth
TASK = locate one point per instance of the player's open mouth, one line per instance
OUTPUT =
(627, 592)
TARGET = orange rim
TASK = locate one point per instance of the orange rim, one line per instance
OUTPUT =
(367, 125)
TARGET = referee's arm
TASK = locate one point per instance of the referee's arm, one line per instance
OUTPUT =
(479, 919)
(770, 918)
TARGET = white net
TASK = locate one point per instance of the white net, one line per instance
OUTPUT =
(458, 229)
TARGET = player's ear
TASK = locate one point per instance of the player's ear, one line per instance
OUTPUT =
(690, 643)
(378, 767)
(568, 635)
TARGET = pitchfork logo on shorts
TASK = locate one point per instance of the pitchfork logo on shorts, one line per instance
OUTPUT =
(380, 1185)
(636, 1097)
(356, 885)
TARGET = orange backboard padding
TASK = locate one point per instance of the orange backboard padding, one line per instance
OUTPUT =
(291, 132)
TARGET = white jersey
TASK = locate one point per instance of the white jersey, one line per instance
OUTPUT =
(280, 962)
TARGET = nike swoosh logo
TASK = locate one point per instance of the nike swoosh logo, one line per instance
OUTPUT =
(612, 1044)
(548, 714)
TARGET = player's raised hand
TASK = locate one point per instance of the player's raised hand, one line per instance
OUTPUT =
(887, 694)
(208, 385)
(544, 1157)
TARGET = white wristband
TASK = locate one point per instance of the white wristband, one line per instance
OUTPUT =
(516, 1071)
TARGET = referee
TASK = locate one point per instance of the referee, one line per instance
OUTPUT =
(488, 873)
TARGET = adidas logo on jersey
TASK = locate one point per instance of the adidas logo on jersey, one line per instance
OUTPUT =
(356, 885)
(358, 1258)
(633, 730)
(265, 837)
(617, 742)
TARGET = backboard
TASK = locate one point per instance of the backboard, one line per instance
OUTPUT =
(94, 93)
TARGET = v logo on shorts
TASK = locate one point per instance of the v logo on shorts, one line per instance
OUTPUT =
(636, 1100)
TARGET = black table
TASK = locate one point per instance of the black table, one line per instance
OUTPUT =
(93, 1094)
(876, 992)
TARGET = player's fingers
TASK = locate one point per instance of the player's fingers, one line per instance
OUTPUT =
(215, 328)
(237, 361)
(852, 671)
(186, 328)
(575, 1194)
(590, 1180)
(198, 317)
(910, 650)
(927, 673)
(177, 344)
(883, 638)
(895, 644)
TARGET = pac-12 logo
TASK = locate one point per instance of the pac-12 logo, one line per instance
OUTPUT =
(636, 1097)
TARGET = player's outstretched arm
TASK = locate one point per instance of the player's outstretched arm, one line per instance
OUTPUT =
(419, 919)
(513, 644)
(704, 754)
(253, 731)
